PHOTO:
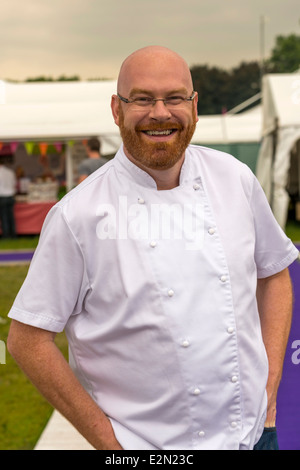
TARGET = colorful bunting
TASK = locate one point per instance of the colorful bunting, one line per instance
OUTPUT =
(14, 146)
(29, 146)
(58, 146)
(43, 148)
(40, 147)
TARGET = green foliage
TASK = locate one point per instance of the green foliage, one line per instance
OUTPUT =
(285, 57)
(220, 90)
(62, 78)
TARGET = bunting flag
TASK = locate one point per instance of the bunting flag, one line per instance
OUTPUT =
(29, 146)
(14, 146)
(58, 146)
(43, 146)
(40, 147)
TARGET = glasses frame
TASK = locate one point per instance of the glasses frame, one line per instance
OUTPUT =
(154, 100)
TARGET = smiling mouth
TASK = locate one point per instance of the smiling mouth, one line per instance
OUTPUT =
(158, 133)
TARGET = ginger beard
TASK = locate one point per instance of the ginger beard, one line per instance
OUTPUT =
(156, 155)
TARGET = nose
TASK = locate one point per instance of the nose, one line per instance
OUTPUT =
(159, 111)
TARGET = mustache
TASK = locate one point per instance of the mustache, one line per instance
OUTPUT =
(163, 126)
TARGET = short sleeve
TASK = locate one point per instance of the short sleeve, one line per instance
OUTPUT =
(56, 283)
(274, 251)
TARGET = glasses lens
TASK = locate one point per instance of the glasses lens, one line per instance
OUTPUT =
(143, 101)
(174, 100)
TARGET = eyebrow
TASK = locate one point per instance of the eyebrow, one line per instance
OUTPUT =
(136, 91)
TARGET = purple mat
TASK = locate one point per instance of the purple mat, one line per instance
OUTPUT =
(15, 256)
(288, 403)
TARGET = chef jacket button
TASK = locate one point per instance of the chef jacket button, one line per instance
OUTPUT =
(170, 293)
(230, 330)
(211, 231)
(185, 343)
(201, 433)
(196, 391)
(233, 424)
(223, 278)
(153, 244)
(234, 379)
(141, 200)
(196, 186)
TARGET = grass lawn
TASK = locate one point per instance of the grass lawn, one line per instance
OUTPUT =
(23, 412)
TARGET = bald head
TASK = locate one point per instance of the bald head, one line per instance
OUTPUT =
(156, 62)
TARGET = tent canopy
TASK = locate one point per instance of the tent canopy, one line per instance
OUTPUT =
(75, 110)
(281, 132)
(281, 101)
(58, 111)
(228, 128)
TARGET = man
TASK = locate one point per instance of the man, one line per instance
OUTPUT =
(7, 201)
(151, 267)
(94, 160)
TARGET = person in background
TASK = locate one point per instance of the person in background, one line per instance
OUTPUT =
(94, 160)
(8, 186)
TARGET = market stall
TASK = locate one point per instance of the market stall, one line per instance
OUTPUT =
(29, 217)
(44, 128)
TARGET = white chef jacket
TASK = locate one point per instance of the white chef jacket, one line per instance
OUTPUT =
(162, 318)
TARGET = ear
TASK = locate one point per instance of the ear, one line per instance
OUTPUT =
(195, 103)
(115, 104)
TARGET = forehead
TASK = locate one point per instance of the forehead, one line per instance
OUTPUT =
(157, 72)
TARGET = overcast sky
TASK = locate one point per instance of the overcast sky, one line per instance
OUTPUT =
(90, 38)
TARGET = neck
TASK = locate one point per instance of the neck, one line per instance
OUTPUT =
(164, 179)
(94, 155)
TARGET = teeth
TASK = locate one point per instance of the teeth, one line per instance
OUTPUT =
(166, 132)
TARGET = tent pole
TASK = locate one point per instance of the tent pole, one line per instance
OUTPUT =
(69, 167)
(275, 135)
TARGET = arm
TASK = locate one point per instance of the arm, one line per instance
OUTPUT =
(275, 300)
(36, 353)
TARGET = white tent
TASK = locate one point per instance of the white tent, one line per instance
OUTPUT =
(281, 132)
(76, 110)
(229, 128)
(59, 111)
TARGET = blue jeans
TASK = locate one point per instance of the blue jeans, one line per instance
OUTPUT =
(268, 440)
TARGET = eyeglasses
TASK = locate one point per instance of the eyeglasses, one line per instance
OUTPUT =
(147, 101)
